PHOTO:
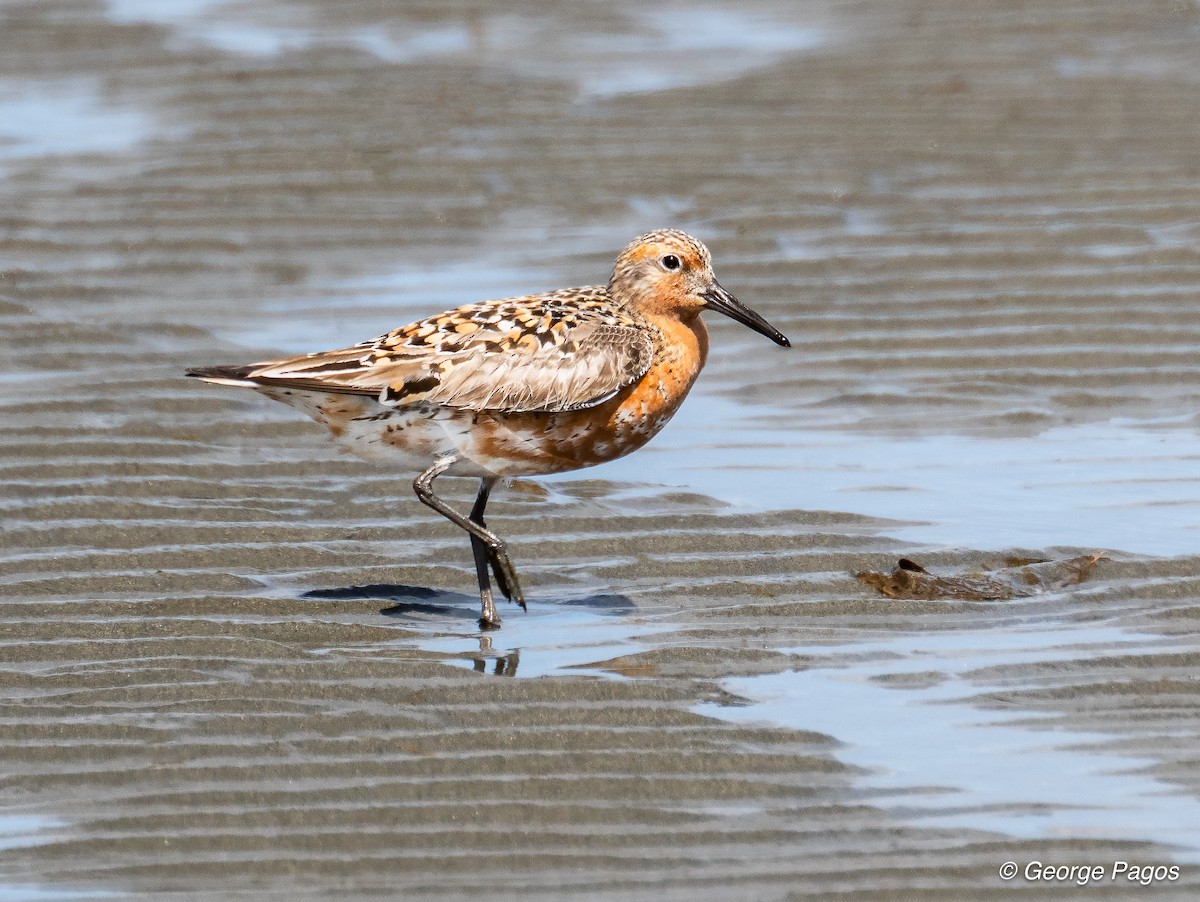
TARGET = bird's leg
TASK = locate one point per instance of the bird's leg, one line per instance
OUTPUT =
(496, 551)
(488, 613)
(480, 550)
(487, 604)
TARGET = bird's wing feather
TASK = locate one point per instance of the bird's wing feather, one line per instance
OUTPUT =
(565, 350)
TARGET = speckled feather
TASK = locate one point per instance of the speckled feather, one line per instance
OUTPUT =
(526, 386)
(563, 350)
(536, 384)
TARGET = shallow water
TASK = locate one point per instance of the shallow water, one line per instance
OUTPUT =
(66, 117)
(931, 757)
(1121, 484)
(236, 662)
(552, 639)
(629, 50)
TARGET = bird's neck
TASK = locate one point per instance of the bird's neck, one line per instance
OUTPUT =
(684, 343)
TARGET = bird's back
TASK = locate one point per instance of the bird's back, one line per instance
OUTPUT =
(493, 381)
(561, 350)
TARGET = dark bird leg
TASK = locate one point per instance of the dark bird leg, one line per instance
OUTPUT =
(487, 605)
(486, 546)
(482, 556)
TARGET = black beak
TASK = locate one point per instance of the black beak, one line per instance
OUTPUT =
(717, 298)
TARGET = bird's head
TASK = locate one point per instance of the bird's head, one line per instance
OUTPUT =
(668, 272)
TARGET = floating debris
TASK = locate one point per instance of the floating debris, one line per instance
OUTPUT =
(1018, 578)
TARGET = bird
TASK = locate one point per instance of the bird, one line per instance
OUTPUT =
(524, 386)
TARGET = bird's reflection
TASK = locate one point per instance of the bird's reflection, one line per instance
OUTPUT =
(441, 616)
(504, 664)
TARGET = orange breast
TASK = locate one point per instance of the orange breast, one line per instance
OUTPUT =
(527, 444)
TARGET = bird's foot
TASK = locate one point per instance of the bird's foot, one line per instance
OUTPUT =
(506, 576)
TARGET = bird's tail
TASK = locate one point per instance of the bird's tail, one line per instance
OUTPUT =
(225, 375)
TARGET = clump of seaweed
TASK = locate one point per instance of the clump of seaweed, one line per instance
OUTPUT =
(1018, 578)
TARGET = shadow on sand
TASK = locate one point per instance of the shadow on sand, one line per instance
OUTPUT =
(546, 626)
(421, 600)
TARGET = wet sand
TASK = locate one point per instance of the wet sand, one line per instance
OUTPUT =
(977, 223)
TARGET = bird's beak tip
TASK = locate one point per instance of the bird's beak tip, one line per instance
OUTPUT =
(717, 298)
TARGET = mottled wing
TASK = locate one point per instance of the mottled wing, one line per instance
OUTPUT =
(565, 350)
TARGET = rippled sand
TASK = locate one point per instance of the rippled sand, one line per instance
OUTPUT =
(236, 663)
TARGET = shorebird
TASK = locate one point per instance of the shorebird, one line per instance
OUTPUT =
(523, 386)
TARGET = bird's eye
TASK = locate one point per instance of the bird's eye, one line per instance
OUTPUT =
(670, 263)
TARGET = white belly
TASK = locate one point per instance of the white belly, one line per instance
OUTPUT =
(407, 438)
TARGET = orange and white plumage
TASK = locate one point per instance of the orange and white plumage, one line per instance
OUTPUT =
(540, 384)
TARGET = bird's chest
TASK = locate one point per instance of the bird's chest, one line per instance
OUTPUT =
(619, 426)
(650, 404)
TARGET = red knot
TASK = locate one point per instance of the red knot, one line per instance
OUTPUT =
(518, 387)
